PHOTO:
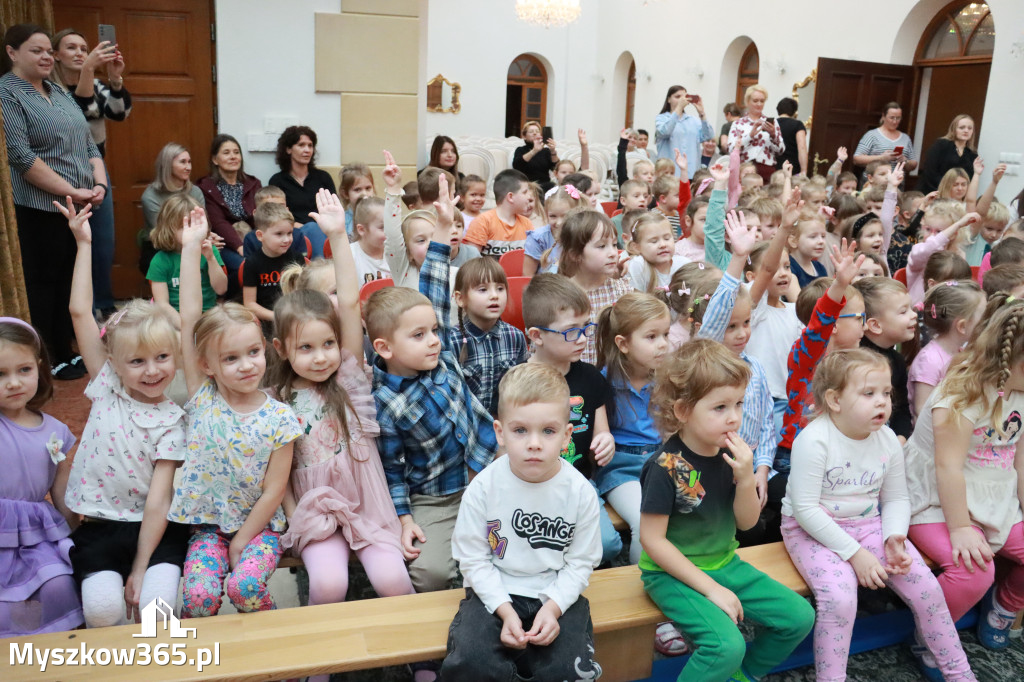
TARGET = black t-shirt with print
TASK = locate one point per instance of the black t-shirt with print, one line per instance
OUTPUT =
(588, 390)
(264, 273)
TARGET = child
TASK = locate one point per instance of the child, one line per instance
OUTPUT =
(356, 182)
(504, 228)
(164, 273)
(989, 231)
(337, 500)
(696, 491)
(542, 250)
(769, 214)
(965, 445)
(526, 540)
(806, 245)
(873, 266)
(556, 312)
(434, 431)
(644, 172)
(666, 195)
(461, 253)
(37, 592)
(270, 193)
(846, 183)
(488, 345)
(890, 320)
(590, 258)
(411, 195)
(691, 247)
(633, 196)
(679, 295)
(122, 477)
(563, 168)
(876, 174)
(368, 245)
(654, 262)
(951, 311)
(1008, 278)
(239, 452)
(427, 184)
(849, 528)
(473, 190)
(589, 188)
(261, 278)
(536, 213)
(942, 225)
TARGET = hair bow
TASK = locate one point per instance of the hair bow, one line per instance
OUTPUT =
(547, 195)
(919, 306)
(952, 283)
(827, 210)
(571, 191)
(700, 265)
(704, 185)
(663, 288)
(685, 291)
(112, 322)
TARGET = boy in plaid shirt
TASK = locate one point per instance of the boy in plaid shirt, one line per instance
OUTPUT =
(433, 429)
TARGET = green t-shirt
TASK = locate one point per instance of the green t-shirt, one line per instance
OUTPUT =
(696, 493)
(166, 267)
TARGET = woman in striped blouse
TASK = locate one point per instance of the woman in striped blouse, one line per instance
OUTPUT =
(51, 155)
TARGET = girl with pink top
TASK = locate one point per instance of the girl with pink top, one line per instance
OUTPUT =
(942, 228)
(846, 513)
(337, 500)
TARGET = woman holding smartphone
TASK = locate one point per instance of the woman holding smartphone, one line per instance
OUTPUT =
(674, 129)
(759, 138)
(538, 157)
(887, 142)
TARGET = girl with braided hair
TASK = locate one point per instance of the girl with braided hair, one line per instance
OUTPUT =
(965, 474)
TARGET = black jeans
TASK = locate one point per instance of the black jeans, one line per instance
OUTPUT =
(475, 651)
(48, 253)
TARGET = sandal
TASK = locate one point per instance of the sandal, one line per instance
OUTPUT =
(668, 641)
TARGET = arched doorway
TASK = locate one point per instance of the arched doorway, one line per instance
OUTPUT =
(526, 94)
(630, 94)
(748, 73)
(953, 59)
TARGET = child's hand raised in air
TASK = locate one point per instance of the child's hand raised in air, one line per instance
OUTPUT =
(979, 165)
(392, 174)
(846, 261)
(330, 214)
(603, 447)
(624, 134)
(841, 155)
(581, 135)
(742, 457)
(969, 219)
(869, 570)
(787, 169)
(680, 159)
(720, 172)
(194, 229)
(897, 560)
(896, 177)
(743, 237)
(998, 172)
(78, 221)
(445, 207)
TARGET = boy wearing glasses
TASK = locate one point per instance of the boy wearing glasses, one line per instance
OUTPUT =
(556, 312)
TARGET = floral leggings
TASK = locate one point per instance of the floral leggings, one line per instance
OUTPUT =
(208, 574)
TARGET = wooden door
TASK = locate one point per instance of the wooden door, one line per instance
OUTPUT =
(168, 51)
(848, 100)
(955, 89)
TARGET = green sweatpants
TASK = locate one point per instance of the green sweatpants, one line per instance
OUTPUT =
(785, 617)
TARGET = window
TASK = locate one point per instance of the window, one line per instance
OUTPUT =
(749, 72)
(962, 32)
(526, 94)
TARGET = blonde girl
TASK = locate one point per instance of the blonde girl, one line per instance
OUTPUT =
(337, 501)
(954, 185)
(951, 310)
(945, 227)
(696, 491)
(37, 591)
(537, 215)
(964, 469)
(239, 451)
(806, 246)
(473, 189)
(542, 251)
(122, 479)
(590, 259)
(846, 512)
(679, 298)
(356, 183)
(652, 245)
(164, 272)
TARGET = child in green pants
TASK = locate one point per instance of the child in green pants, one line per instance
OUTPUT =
(696, 491)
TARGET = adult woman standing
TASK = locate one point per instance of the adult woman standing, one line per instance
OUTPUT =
(674, 129)
(880, 144)
(760, 140)
(75, 69)
(445, 155)
(537, 157)
(52, 156)
(955, 149)
(299, 177)
(794, 136)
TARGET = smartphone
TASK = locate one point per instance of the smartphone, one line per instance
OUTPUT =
(770, 120)
(107, 33)
(547, 134)
(692, 98)
(898, 151)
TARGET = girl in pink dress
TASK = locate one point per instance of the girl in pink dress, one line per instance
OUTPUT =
(338, 500)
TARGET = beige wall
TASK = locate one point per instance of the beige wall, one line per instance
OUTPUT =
(370, 53)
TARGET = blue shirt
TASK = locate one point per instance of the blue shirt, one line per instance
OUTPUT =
(432, 427)
(630, 422)
(486, 356)
(803, 277)
(685, 134)
(537, 242)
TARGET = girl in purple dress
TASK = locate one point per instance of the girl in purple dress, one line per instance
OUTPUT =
(37, 591)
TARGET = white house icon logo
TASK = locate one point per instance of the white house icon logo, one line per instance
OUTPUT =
(158, 608)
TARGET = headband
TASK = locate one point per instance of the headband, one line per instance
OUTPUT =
(22, 323)
(861, 222)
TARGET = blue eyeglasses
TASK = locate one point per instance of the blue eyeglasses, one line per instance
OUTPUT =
(858, 316)
(573, 334)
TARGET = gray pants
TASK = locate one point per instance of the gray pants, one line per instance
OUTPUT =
(434, 568)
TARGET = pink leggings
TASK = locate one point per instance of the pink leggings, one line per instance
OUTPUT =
(208, 575)
(964, 589)
(834, 584)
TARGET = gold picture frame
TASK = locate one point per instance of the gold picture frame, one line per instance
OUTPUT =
(443, 95)
(807, 87)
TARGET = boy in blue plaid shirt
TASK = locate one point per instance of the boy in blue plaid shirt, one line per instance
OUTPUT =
(433, 430)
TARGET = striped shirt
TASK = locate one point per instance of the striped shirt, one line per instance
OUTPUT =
(758, 426)
(53, 131)
(874, 143)
(105, 103)
(600, 298)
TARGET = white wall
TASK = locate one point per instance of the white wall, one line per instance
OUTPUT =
(265, 68)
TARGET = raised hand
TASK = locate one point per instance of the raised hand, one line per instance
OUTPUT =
(846, 261)
(841, 155)
(624, 134)
(979, 165)
(998, 172)
(194, 228)
(680, 159)
(896, 176)
(392, 174)
(581, 134)
(928, 199)
(787, 168)
(742, 236)
(445, 204)
(719, 171)
(104, 53)
(330, 215)
(792, 208)
(78, 221)
(971, 218)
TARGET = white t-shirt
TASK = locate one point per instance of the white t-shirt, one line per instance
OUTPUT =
(773, 331)
(638, 270)
(836, 477)
(121, 444)
(369, 268)
(536, 540)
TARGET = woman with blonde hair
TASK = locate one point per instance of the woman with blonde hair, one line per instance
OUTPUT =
(760, 140)
(537, 157)
(955, 149)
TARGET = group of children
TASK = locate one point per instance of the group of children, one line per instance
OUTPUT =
(722, 363)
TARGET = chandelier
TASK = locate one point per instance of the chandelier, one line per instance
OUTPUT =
(548, 13)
